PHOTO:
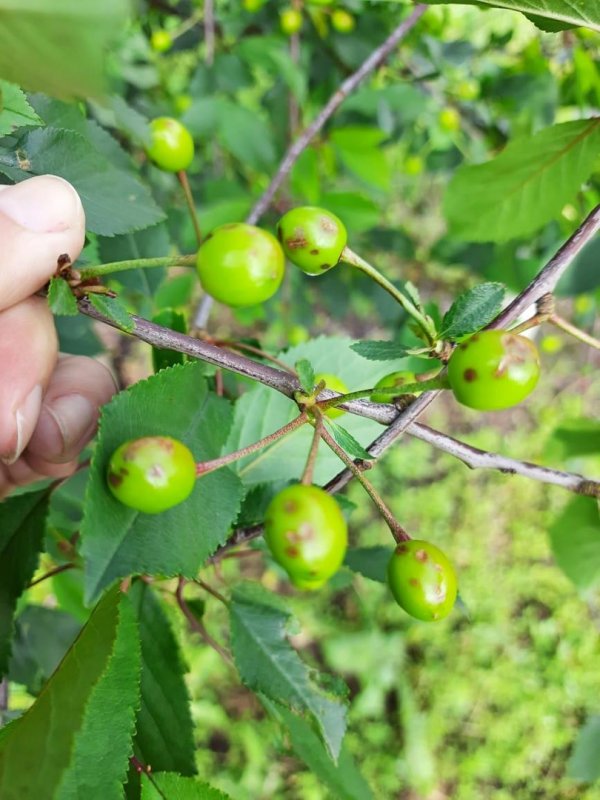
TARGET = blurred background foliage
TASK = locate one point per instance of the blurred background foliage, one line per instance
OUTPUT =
(491, 702)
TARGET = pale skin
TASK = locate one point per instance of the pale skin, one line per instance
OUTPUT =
(49, 403)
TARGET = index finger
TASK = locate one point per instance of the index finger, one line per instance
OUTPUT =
(40, 219)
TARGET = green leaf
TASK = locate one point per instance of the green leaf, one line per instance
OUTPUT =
(261, 411)
(344, 779)
(15, 111)
(347, 442)
(164, 730)
(118, 541)
(472, 310)
(22, 528)
(114, 199)
(378, 350)
(524, 187)
(61, 299)
(175, 321)
(169, 786)
(75, 740)
(114, 309)
(575, 539)
(42, 637)
(358, 149)
(255, 148)
(575, 437)
(268, 664)
(306, 374)
(574, 13)
(584, 763)
(372, 562)
(58, 48)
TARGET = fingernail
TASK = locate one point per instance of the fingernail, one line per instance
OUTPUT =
(26, 417)
(44, 204)
(66, 423)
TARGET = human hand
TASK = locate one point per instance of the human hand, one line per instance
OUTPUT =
(48, 403)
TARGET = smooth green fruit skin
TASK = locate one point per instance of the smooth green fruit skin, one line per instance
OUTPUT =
(422, 580)
(393, 380)
(312, 238)
(172, 146)
(290, 21)
(336, 385)
(152, 474)
(343, 21)
(306, 534)
(240, 265)
(449, 120)
(161, 41)
(493, 370)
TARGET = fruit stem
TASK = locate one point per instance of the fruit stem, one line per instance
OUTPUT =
(196, 625)
(440, 382)
(136, 263)
(307, 475)
(185, 185)
(566, 326)
(532, 322)
(426, 325)
(203, 467)
(398, 532)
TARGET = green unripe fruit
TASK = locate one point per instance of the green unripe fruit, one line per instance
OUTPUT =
(306, 534)
(393, 380)
(413, 165)
(312, 238)
(336, 385)
(151, 474)
(493, 370)
(467, 89)
(253, 5)
(449, 120)
(182, 102)
(290, 21)
(161, 41)
(422, 580)
(240, 265)
(171, 146)
(342, 21)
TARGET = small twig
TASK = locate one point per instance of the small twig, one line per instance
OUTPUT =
(209, 31)
(574, 331)
(208, 588)
(398, 532)
(4, 698)
(136, 263)
(51, 573)
(189, 199)
(307, 475)
(376, 58)
(196, 625)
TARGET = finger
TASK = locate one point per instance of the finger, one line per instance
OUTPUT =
(69, 414)
(21, 474)
(40, 219)
(28, 352)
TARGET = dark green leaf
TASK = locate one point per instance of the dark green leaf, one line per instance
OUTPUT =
(573, 13)
(175, 321)
(268, 664)
(576, 437)
(472, 310)
(118, 541)
(22, 528)
(84, 717)
(584, 764)
(524, 187)
(170, 786)
(343, 778)
(15, 111)
(372, 562)
(306, 374)
(379, 350)
(164, 731)
(114, 309)
(347, 441)
(61, 299)
(575, 539)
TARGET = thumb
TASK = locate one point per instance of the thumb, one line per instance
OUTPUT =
(40, 219)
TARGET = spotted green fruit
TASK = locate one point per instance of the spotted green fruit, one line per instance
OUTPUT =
(151, 474)
(392, 381)
(336, 385)
(312, 238)
(422, 580)
(493, 370)
(240, 265)
(171, 144)
(306, 534)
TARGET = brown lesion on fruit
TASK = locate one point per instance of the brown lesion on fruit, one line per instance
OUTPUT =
(325, 267)
(421, 555)
(517, 350)
(414, 582)
(290, 506)
(470, 375)
(328, 225)
(292, 551)
(297, 241)
(155, 472)
(114, 479)
(314, 252)
(402, 548)
(304, 533)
